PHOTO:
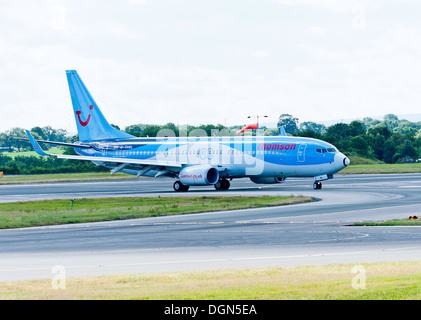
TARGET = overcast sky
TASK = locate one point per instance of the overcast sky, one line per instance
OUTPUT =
(215, 61)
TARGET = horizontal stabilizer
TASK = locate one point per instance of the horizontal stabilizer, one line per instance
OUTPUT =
(72, 145)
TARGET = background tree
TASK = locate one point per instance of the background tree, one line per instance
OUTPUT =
(391, 116)
(312, 126)
(377, 137)
(289, 123)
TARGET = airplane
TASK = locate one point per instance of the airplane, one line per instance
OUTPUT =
(193, 160)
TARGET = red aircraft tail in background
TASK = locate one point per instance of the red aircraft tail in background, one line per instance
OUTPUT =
(250, 126)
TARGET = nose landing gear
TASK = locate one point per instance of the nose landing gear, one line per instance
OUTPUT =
(317, 185)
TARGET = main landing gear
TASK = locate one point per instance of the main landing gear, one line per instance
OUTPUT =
(222, 184)
(179, 187)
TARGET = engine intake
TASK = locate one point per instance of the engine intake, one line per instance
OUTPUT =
(267, 180)
(199, 175)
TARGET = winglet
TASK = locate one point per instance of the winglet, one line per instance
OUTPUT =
(36, 145)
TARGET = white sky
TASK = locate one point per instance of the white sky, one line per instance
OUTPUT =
(209, 61)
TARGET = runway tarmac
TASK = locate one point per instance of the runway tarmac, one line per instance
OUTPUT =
(304, 234)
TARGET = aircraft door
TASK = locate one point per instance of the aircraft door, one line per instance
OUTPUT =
(301, 154)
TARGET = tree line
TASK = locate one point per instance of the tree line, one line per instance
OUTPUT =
(389, 140)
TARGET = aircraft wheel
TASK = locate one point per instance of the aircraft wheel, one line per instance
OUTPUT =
(179, 187)
(225, 184)
(317, 185)
(222, 184)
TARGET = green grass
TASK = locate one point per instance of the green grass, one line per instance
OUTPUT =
(382, 168)
(52, 212)
(360, 165)
(53, 150)
(383, 281)
(356, 160)
(394, 222)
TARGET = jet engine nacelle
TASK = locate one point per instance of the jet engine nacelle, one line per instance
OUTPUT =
(267, 180)
(199, 175)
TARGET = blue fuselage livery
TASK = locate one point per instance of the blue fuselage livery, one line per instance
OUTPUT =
(194, 161)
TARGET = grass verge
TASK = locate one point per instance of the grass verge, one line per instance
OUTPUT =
(382, 168)
(52, 212)
(394, 222)
(372, 281)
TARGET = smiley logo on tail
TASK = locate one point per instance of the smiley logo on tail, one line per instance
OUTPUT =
(84, 123)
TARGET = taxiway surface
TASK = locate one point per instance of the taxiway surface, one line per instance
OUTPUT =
(304, 234)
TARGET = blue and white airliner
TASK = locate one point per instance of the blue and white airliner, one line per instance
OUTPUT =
(194, 161)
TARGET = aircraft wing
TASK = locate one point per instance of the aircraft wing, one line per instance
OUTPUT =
(116, 160)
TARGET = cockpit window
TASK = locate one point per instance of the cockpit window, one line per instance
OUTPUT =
(324, 150)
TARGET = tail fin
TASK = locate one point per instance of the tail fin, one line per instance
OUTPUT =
(91, 123)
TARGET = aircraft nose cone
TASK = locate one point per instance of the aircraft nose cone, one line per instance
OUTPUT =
(346, 162)
(341, 161)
